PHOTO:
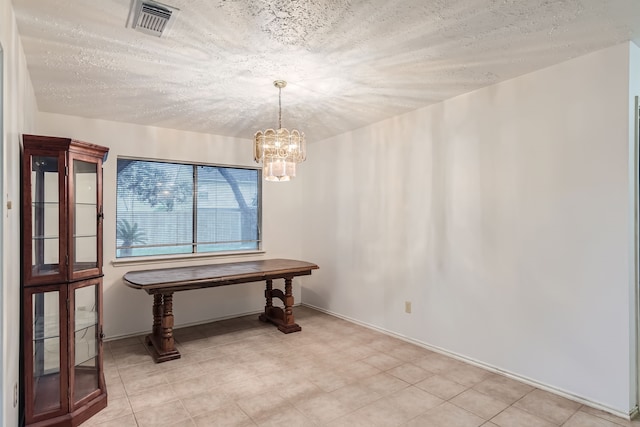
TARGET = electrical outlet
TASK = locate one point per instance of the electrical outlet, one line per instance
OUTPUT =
(407, 306)
(15, 395)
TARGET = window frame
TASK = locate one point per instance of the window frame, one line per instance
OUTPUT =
(141, 259)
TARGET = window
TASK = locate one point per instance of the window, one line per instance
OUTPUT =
(171, 208)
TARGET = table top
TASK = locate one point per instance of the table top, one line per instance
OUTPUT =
(202, 276)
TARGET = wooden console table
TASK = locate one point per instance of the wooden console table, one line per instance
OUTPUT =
(163, 282)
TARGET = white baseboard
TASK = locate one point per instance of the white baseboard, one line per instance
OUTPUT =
(488, 367)
(183, 325)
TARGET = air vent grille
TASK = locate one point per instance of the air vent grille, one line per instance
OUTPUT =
(151, 17)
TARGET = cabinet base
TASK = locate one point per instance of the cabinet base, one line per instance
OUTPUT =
(77, 417)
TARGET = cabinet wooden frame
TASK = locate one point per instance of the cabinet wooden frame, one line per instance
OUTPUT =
(59, 390)
(28, 276)
(28, 350)
(65, 150)
(68, 410)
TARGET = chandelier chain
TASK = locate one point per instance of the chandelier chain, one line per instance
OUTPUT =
(279, 108)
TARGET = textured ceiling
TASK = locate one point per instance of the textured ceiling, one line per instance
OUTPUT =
(348, 62)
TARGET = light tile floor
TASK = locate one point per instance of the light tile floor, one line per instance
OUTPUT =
(241, 372)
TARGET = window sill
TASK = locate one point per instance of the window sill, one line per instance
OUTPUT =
(181, 258)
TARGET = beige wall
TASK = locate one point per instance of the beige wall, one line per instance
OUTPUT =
(634, 209)
(128, 311)
(503, 215)
(18, 115)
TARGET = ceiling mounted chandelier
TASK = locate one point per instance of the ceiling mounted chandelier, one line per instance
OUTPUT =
(279, 150)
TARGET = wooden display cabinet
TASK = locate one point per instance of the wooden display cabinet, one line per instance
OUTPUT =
(62, 352)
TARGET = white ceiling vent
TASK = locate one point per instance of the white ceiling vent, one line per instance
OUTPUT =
(151, 17)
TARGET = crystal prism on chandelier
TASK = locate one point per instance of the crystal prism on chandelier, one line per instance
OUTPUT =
(279, 150)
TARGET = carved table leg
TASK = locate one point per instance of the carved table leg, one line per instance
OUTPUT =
(289, 324)
(156, 333)
(161, 338)
(264, 317)
(276, 315)
(157, 315)
(167, 323)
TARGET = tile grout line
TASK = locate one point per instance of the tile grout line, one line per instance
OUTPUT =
(361, 357)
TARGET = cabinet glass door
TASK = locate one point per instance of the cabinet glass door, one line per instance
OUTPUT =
(45, 341)
(85, 215)
(45, 216)
(87, 342)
